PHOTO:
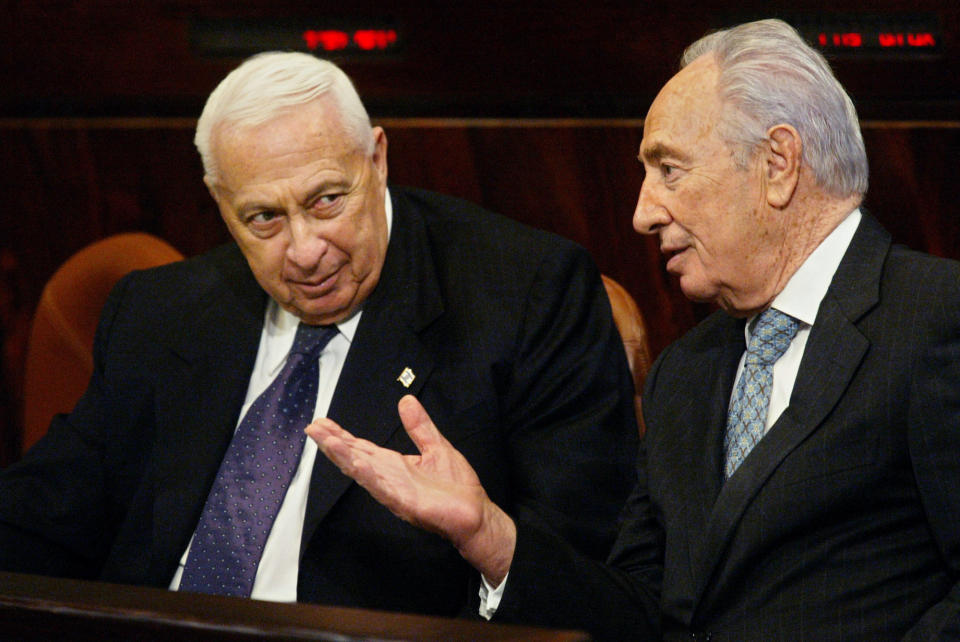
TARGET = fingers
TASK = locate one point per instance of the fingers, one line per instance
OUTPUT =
(331, 439)
(321, 428)
(353, 455)
(423, 432)
(341, 447)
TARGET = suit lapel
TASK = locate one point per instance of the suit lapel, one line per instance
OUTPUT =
(702, 442)
(217, 347)
(700, 448)
(834, 351)
(386, 344)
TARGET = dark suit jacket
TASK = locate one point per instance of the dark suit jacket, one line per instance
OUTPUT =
(507, 330)
(843, 523)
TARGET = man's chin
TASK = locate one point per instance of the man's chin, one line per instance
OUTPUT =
(695, 291)
(312, 314)
(332, 307)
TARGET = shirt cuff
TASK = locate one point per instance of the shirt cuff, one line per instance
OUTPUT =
(490, 596)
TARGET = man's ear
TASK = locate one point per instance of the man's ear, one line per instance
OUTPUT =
(211, 187)
(214, 188)
(783, 159)
(380, 152)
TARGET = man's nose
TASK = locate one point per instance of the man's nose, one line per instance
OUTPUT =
(307, 244)
(650, 215)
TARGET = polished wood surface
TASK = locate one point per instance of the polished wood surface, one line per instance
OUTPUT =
(43, 608)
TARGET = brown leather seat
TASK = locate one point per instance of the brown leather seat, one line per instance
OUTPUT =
(59, 358)
(633, 332)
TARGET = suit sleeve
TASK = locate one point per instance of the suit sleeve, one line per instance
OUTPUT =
(551, 583)
(568, 405)
(55, 517)
(935, 446)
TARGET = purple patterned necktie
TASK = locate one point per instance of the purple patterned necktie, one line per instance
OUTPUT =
(254, 474)
(747, 416)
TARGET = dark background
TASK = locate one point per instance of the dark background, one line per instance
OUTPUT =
(534, 111)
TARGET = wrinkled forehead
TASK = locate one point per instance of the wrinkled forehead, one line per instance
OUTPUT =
(688, 106)
(299, 137)
(316, 117)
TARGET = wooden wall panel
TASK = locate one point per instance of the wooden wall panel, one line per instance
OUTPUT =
(71, 183)
(914, 172)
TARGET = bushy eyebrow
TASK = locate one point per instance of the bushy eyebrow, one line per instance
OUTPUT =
(327, 187)
(322, 187)
(253, 206)
(658, 151)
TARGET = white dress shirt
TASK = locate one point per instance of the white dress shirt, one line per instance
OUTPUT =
(276, 578)
(801, 299)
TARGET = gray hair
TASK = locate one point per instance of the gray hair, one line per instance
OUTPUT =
(265, 85)
(769, 76)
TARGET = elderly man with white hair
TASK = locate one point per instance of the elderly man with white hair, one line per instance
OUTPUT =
(800, 474)
(186, 465)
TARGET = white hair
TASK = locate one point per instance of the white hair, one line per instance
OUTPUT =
(770, 76)
(267, 84)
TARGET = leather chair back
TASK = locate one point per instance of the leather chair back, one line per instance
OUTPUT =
(59, 358)
(633, 332)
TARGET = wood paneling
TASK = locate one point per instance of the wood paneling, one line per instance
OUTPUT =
(71, 184)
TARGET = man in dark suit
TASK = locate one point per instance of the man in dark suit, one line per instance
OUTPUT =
(800, 473)
(503, 332)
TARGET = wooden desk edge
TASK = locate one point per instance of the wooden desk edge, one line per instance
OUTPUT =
(33, 606)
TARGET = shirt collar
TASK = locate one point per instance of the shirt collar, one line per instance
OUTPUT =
(805, 290)
(280, 328)
(388, 210)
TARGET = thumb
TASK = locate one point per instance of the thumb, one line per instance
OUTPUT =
(421, 429)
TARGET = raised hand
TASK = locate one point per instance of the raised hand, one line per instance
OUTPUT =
(436, 490)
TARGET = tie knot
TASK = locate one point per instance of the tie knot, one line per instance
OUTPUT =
(771, 337)
(311, 339)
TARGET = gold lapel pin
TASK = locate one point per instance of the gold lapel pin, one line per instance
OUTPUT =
(406, 377)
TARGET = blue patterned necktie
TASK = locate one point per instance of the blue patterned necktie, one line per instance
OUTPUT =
(747, 415)
(254, 474)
